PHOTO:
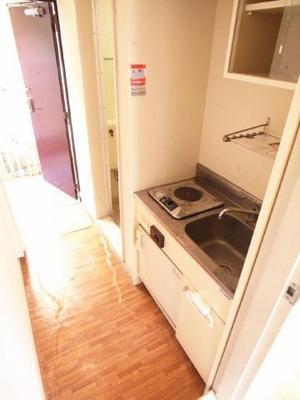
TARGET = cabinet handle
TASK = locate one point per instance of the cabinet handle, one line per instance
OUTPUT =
(176, 272)
(203, 308)
(139, 239)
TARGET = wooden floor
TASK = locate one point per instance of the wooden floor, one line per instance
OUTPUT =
(97, 335)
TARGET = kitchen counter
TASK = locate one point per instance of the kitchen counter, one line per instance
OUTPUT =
(222, 190)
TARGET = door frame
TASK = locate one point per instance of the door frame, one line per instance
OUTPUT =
(100, 81)
(276, 322)
(64, 91)
(57, 42)
(100, 90)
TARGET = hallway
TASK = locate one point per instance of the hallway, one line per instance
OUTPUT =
(97, 335)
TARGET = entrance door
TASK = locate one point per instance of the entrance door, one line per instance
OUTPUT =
(34, 31)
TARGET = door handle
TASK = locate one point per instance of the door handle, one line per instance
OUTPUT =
(111, 132)
(201, 306)
(176, 272)
(30, 104)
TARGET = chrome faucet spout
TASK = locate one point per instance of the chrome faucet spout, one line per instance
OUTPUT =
(238, 210)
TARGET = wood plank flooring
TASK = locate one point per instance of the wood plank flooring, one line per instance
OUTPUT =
(97, 335)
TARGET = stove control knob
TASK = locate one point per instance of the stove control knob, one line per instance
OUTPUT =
(160, 194)
(177, 211)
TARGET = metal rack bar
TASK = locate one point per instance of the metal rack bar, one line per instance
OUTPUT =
(240, 134)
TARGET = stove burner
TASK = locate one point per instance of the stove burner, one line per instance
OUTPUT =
(188, 193)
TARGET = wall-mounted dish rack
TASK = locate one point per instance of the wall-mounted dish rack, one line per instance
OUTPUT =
(256, 139)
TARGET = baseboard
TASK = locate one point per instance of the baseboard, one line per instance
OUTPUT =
(134, 277)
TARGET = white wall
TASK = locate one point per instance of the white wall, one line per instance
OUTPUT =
(173, 39)
(160, 132)
(76, 22)
(232, 105)
(19, 370)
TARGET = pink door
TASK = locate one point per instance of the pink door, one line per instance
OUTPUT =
(38, 59)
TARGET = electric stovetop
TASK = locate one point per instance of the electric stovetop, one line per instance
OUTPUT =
(183, 199)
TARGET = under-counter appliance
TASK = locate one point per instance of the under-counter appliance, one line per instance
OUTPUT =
(183, 199)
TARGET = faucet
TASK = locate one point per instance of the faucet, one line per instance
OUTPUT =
(240, 210)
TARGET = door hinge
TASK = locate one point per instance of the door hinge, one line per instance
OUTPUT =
(77, 190)
(292, 293)
(54, 21)
(66, 115)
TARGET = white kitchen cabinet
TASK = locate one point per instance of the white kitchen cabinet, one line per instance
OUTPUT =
(159, 275)
(189, 267)
(199, 329)
(270, 30)
(190, 298)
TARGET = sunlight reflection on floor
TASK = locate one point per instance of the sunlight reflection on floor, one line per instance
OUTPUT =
(113, 233)
(43, 214)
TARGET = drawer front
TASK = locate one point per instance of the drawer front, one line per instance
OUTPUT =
(210, 290)
(160, 276)
(199, 330)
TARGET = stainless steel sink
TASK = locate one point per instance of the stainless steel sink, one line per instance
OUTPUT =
(225, 241)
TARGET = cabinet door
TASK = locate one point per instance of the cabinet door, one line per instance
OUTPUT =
(160, 276)
(199, 330)
(286, 59)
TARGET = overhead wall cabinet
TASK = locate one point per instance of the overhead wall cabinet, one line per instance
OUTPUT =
(264, 42)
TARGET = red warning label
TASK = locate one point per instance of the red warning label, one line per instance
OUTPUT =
(138, 79)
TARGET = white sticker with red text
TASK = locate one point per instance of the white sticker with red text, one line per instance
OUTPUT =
(138, 79)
